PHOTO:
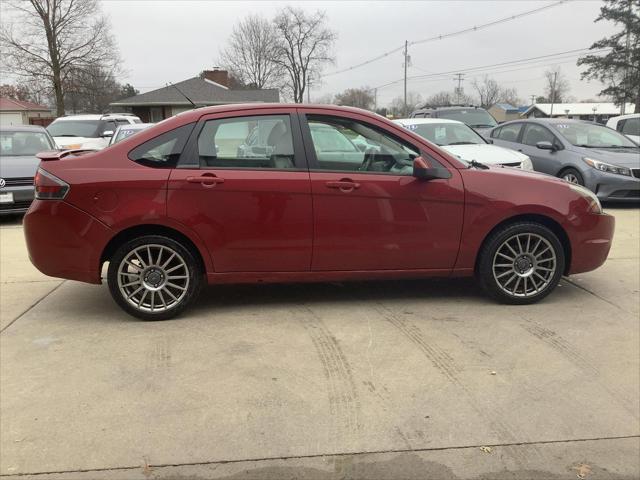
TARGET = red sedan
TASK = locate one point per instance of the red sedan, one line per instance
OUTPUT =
(288, 193)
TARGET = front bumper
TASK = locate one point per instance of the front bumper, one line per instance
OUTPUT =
(64, 241)
(612, 187)
(22, 198)
(591, 242)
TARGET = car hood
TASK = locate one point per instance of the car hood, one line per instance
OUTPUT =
(485, 153)
(80, 142)
(17, 167)
(623, 157)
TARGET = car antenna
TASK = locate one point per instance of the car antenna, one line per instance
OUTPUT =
(183, 94)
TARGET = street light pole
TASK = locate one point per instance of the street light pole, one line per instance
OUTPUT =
(553, 93)
(406, 57)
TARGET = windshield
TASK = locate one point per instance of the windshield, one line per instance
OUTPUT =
(444, 134)
(74, 128)
(593, 136)
(474, 117)
(330, 140)
(23, 143)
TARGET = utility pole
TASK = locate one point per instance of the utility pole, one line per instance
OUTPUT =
(375, 99)
(553, 93)
(406, 63)
(623, 108)
(459, 77)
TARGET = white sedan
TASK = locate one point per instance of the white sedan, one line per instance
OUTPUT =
(463, 142)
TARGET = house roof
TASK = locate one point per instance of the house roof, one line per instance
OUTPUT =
(506, 107)
(579, 108)
(11, 105)
(201, 91)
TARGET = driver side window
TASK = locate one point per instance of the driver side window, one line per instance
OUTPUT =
(345, 145)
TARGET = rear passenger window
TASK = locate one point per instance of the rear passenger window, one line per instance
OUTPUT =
(631, 126)
(164, 150)
(253, 142)
(509, 133)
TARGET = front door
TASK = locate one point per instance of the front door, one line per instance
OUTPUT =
(369, 212)
(545, 161)
(244, 187)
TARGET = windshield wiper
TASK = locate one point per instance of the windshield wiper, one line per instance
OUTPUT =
(483, 125)
(476, 164)
(66, 135)
(462, 143)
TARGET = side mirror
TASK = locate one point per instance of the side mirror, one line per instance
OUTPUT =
(545, 146)
(423, 171)
(107, 133)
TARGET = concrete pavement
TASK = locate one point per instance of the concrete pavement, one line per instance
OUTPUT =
(366, 380)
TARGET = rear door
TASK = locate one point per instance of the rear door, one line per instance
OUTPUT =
(243, 186)
(369, 212)
(508, 136)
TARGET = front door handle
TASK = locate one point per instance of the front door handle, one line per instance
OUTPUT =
(344, 185)
(207, 179)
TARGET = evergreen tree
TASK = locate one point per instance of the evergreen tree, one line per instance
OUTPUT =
(619, 69)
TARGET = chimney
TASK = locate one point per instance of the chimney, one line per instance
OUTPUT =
(221, 77)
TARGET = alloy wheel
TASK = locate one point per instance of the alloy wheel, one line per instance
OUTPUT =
(153, 278)
(524, 265)
(571, 178)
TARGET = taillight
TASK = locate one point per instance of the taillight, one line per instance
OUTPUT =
(48, 186)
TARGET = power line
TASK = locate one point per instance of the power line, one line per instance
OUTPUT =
(446, 35)
(481, 68)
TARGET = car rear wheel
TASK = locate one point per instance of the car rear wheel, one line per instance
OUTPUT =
(154, 277)
(572, 175)
(521, 263)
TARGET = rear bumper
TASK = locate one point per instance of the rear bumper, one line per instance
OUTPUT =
(63, 241)
(591, 242)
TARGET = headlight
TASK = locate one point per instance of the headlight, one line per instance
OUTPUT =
(594, 201)
(526, 164)
(605, 167)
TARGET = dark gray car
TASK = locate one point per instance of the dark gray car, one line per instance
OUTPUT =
(18, 165)
(586, 153)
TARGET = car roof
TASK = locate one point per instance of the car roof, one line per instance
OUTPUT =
(418, 121)
(95, 116)
(624, 117)
(22, 128)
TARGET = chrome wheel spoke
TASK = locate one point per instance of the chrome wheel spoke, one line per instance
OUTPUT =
(531, 268)
(145, 280)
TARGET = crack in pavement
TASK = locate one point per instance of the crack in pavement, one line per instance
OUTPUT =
(32, 305)
(571, 282)
(324, 455)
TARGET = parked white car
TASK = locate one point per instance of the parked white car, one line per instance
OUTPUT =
(462, 141)
(628, 125)
(88, 131)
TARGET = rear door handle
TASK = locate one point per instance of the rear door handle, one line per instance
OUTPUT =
(345, 185)
(208, 180)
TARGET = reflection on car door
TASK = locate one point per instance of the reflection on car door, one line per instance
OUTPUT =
(252, 209)
(545, 161)
(373, 214)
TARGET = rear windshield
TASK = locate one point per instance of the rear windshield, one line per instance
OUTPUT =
(75, 128)
(474, 117)
(23, 143)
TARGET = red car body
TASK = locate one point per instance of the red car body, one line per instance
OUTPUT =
(252, 225)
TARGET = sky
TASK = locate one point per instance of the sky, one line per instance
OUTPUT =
(171, 40)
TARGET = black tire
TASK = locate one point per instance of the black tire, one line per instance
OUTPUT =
(524, 265)
(572, 175)
(188, 271)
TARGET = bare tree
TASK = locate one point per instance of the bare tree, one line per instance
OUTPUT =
(397, 106)
(251, 52)
(52, 40)
(326, 99)
(556, 85)
(356, 97)
(490, 93)
(303, 48)
(440, 99)
(488, 90)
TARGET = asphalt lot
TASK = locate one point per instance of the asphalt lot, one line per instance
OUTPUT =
(409, 379)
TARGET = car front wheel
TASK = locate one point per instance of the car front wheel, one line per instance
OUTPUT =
(153, 277)
(521, 263)
(572, 175)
